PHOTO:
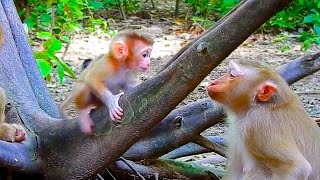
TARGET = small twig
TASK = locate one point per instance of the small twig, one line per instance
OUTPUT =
(129, 165)
(153, 6)
(52, 19)
(176, 12)
(206, 143)
(111, 174)
(100, 177)
(122, 13)
(195, 23)
(67, 48)
(156, 176)
(187, 14)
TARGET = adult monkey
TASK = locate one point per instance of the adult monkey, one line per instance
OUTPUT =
(271, 135)
(129, 52)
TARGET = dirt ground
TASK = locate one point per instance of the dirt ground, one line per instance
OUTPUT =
(170, 38)
(168, 42)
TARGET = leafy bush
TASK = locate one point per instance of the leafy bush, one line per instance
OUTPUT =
(302, 17)
(55, 21)
(206, 7)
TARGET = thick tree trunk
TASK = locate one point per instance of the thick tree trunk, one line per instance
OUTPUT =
(64, 151)
(21, 54)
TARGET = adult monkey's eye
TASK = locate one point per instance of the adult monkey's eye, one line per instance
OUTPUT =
(233, 73)
(234, 70)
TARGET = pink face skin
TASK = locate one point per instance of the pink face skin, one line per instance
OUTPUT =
(144, 62)
(141, 54)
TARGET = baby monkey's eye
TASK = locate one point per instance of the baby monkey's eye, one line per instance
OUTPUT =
(145, 55)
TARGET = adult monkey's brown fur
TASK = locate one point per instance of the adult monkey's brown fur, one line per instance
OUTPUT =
(271, 135)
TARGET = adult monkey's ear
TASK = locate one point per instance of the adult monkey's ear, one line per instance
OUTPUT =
(266, 91)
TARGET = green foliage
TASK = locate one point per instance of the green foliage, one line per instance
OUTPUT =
(47, 59)
(226, 5)
(56, 21)
(206, 7)
(285, 40)
(302, 17)
(129, 6)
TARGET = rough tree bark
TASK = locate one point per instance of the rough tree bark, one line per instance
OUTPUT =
(57, 147)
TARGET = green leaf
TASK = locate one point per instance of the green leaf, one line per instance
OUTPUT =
(41, 55)
(52, 45)
(60, 74)
(43, 34)
(317, 29)
(96, 5)
(310, 18)
(301, 2)
(56, 30)
(284, 48)
(315, 11)
(69, 71)
(306, 44)
(65, 67)
(64, 1)
(30, 22)
(49, 3)
(60, 8)
(45, 18)
(44, 66)
(65, 39)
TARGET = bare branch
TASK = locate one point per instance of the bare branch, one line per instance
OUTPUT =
(192, 149)
(300, 67)
(206, 143)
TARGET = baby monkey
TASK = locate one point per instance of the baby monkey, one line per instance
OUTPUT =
(107, 77)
